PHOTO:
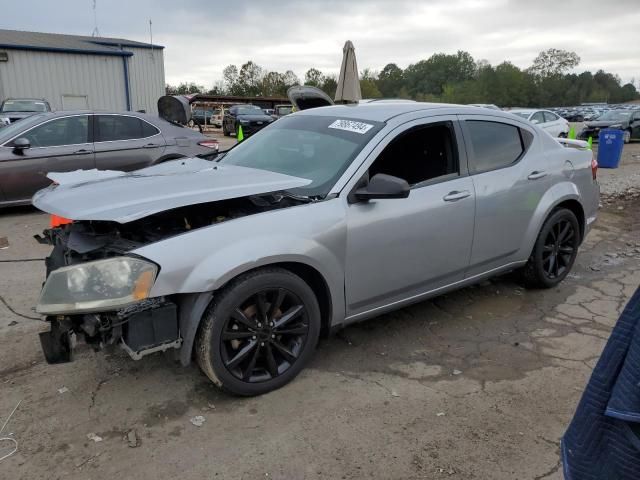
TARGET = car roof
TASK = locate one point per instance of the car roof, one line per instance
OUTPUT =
(384, 111)
(26, 98)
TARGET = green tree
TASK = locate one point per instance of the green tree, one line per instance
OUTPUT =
(250, 79)
(231, 80)
(273, 85)
(554, 61)
(330, 85)
(428, 77)
(290, 79)
(390, 80)
(185, 88)
(313, 78)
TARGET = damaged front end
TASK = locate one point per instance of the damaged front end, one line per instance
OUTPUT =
(99, 291)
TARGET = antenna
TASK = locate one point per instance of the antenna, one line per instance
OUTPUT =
(153, 59)
(96, 32)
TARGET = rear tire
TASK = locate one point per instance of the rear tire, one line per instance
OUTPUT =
(554, 252)
(259, 332)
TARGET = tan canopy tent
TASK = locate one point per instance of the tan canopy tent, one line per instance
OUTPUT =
(348, 90)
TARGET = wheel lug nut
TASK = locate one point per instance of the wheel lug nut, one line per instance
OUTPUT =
(259, 325)
(262, 344)
(273, 336)
(254, 337)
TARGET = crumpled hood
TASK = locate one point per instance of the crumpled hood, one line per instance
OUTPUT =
(123, 197)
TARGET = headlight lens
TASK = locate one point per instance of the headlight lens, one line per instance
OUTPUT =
(617, 125)
(4, 121)
(97, 286)
(244, 122)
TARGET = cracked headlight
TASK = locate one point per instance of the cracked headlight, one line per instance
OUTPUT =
(97, 286)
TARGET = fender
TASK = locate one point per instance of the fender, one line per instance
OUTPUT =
(558, 193)
(204, 260)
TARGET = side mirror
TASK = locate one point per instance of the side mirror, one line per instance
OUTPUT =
(20, 144)
(535, 122)
(382, 186)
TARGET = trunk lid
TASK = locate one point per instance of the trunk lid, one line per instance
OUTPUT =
(304, 97)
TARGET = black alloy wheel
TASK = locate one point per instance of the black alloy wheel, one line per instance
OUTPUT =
(554, 252)
(264, 335)
(559, 249)
(259, 331)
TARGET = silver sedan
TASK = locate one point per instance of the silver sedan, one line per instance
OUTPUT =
(326, 217)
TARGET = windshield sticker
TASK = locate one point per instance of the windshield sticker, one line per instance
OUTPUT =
(351, 126)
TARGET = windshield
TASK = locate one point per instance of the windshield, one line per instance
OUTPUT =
(250, 111)
(8, 132)
(524, 115)
(315, 148)
(23, 106)
(616, 116)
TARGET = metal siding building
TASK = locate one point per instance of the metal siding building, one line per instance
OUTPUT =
(74, 72)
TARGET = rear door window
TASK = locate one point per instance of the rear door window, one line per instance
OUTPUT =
(111, 128)
(550, 117)
(495, 144)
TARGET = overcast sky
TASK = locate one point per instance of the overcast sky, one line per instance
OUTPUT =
(202, 37)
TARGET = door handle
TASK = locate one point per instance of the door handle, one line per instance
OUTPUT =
(455, 195)
(536, 175)
(82, 151)
(150, 145)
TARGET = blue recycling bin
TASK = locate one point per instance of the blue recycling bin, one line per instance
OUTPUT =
(610, 143)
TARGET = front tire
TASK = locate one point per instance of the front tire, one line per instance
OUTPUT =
(259, 332)
(554, 252)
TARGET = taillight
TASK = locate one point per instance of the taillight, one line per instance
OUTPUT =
(210, 144)
(594, 168)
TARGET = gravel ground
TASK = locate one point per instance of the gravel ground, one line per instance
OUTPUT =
(624, 180)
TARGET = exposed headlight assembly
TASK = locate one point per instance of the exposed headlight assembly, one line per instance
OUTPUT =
(97, 286)
(4, 121)
(617, 126)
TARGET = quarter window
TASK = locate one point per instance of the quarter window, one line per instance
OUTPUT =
(495, 145)
(550, 117)
(419, 155)
(62, 131)
(148, 130)
(110, 128)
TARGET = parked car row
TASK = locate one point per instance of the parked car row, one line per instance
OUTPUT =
(626, 120)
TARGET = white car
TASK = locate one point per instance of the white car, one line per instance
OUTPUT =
(549, 121)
